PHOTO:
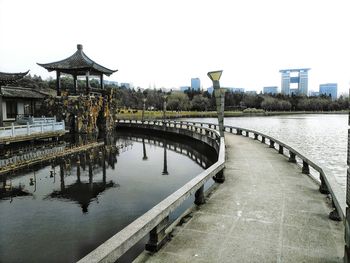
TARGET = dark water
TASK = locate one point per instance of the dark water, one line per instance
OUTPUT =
(60, 211)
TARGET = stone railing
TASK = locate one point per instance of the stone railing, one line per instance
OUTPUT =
(30, 129)
(22, 119)
(327, 181)
(155, 221)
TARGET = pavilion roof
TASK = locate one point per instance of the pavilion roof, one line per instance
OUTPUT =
(20, 92)
(8, 78)
(78, 64)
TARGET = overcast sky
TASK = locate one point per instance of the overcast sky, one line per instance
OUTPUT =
(167, 42)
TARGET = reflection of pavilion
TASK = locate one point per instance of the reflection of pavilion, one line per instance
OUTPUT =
(82, 193)
(97, 160)
(8, 191)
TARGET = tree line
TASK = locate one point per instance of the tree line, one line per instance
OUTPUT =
(196, 100)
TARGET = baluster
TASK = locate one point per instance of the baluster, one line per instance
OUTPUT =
(280, 149)
(305, 169)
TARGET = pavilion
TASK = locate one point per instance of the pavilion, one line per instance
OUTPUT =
(79, 64)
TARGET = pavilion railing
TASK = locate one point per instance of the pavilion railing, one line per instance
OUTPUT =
(31, 129)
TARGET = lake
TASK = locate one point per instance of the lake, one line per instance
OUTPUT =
(62, 210)
(321, 137)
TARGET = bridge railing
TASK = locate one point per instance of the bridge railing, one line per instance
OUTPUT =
(29, 129)
(327, 181)
(155, 221)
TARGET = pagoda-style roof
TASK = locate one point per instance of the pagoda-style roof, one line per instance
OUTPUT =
(19, 92)
(8, 78)
(78, 64)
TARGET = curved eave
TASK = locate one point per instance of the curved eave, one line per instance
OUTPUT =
(78, 64)
(79, 71)
(7, 78)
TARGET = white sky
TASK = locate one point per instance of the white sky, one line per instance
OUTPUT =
(166, 42)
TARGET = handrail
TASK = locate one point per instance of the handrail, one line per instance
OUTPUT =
(328, 183)
(29, 129)
(154, 219)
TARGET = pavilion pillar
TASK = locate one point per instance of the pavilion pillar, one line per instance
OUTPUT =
(101, 81)
(75, 84)
(87, 83)
(58, 83)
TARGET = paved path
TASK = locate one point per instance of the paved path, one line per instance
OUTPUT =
(266, 211)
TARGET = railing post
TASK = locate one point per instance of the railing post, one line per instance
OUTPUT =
(230, 130)
(272, 144)
(323, 187)
(247, 134)
(256, 136)
(292, 157)
(280, 149)
(334, 215)
(305, 169)
(157, 236)
(219, 177)
(199, 196)
(12, 130)
(262, 139)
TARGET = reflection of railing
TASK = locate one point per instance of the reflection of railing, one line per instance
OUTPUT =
(31, 129)
(201, 159)
(40, 156)
(155, 221)
(328, 183)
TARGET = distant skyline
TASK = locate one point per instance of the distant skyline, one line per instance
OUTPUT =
(166, 43)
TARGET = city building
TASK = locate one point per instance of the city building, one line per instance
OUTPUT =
(210, 90)
(251, 92)
(329, 89)
(195, 83)
(184, 88)
(294, 76)
(314, 93)
(236, 90)
(270, 90)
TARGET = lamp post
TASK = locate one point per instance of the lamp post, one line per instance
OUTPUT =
(219, 98)
(143, 109)
(164, 107)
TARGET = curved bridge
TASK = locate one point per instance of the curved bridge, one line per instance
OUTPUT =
(155, 221)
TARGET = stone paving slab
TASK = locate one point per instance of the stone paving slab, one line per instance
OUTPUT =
(266, 211)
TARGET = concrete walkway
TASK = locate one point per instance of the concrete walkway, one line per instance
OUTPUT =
(266, 211)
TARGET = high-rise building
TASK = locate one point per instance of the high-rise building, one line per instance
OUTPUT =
(270, 90)
(329, 89)
(301, 78)
(235, 90)
(195, 83)
(184, 88)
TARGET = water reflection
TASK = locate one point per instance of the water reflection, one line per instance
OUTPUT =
(81, 198)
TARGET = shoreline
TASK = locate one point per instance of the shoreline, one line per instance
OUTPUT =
(212, 114)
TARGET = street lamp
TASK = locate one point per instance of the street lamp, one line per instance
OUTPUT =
(143, 109)
(164, 107)
(219, 98)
